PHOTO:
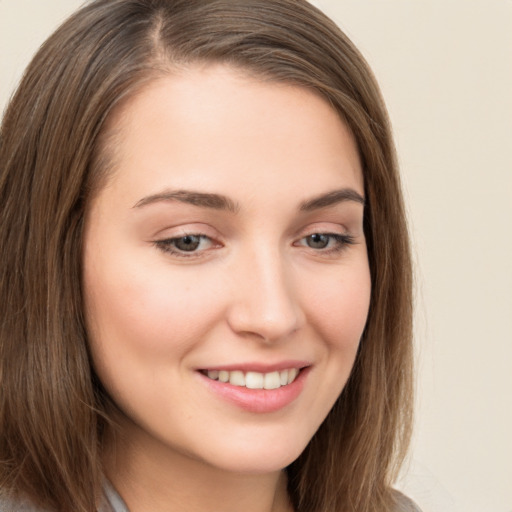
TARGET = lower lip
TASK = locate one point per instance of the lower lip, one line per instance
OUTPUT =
(258, 400)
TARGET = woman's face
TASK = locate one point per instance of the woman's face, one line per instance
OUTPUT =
(225, 269)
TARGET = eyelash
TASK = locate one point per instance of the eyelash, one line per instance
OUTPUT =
(168, 245)
(341, 242)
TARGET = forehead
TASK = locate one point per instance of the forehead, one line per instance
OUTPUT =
(215, 122)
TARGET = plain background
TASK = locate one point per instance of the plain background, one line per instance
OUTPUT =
(445, 68)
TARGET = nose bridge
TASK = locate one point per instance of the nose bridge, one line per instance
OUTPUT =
(265, 302)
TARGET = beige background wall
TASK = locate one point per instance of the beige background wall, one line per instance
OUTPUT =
(445, 67)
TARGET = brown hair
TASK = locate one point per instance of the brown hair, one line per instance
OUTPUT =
(52, 157)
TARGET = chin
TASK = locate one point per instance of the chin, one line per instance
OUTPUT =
(257, 457)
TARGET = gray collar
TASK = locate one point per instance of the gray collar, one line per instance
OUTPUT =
(112, 502)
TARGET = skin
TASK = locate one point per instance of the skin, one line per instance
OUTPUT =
(257, 289)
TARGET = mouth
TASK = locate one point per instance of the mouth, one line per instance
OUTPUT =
(253, 379)
(257, 388)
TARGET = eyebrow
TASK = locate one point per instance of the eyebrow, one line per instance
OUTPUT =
(201, 199)
(331, 198)
(221, 202)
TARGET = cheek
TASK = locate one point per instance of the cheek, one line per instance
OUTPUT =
(145, 313)
(142, 326)
(339, 307)
(136, 310)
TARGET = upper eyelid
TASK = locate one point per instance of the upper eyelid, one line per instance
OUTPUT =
(324, 228)
(197, 229)
(213, 234)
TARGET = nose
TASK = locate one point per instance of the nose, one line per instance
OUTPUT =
(264, 304)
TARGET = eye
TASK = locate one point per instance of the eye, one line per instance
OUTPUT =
(186, 245)
(326, 242)
(318, 241)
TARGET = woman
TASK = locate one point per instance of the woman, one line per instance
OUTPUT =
(206, 283)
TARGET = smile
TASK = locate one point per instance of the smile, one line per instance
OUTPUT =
(254, 380)
(265, 391)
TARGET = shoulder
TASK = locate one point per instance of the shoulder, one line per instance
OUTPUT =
(404, 503)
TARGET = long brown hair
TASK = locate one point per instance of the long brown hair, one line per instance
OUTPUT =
(54, 154)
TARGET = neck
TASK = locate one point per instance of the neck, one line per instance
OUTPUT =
(151, 478)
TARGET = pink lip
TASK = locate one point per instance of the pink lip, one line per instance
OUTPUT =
(260, 367)
(258, 400)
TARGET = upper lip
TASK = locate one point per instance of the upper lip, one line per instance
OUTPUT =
(259, 366)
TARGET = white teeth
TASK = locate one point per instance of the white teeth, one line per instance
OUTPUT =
(255, 380)
(272, 380)
(237, 378)
(292, 374)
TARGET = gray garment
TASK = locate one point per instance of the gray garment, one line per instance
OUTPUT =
(405, 504)
(112, 503)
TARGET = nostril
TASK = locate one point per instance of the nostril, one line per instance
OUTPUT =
(264, 303)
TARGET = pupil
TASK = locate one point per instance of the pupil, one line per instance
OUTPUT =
(318, 241)
(188, 243)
